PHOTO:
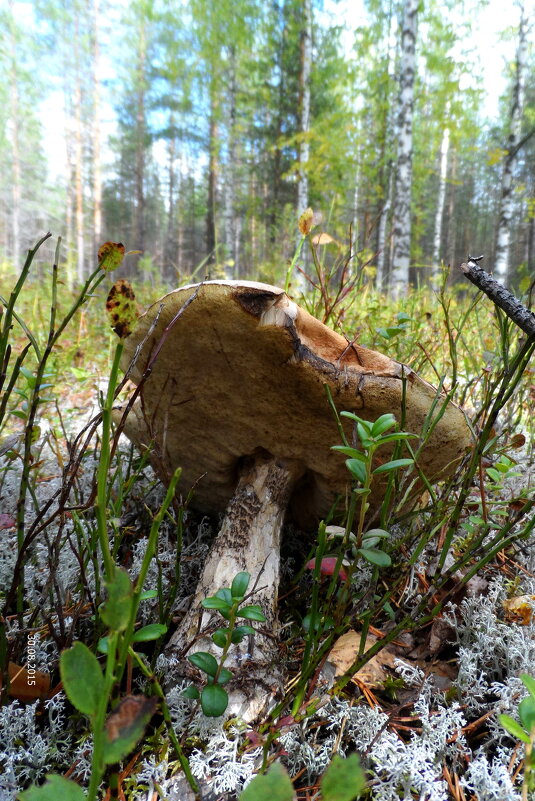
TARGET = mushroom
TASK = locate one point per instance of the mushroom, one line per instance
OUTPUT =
(236, 397)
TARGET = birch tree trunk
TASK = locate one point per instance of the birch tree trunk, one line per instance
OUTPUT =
(401, 226)
(212, 169)
(304, 107)
(141, 132)
(503, 236)
(230, 172)
(16, 183)
(437, 240)
(78, 155)
(96, 136)
(381, 238)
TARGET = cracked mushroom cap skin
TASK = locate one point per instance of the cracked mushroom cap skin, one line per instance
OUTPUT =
(243, 370)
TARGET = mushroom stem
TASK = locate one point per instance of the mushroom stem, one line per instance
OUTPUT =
(249, 540)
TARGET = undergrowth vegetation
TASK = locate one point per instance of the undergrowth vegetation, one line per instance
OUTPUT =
(404, 641)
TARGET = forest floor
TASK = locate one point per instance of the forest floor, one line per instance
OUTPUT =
(422, 714)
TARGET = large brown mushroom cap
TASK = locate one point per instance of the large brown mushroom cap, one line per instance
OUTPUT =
(243, 370)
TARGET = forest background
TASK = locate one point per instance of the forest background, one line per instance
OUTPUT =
(196, 132)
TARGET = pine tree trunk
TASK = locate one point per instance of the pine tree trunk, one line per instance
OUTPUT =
(503, 236)
(437, 239)
(402, 210)
(169, 246)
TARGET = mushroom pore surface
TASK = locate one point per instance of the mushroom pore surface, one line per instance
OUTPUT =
(243, 370)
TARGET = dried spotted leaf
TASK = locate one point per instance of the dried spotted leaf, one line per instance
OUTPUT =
(122, 308)
(324, 239)
(345, 651)
(126, 725)
(110, 255)
(520, 609)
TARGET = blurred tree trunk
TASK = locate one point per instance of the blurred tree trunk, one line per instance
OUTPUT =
(96, 135)
(382, 243)
(437, 239)
(78, 155)
(503, 236)
(402, 209)
(16, 184)
(140, 139)
(212, 178)
(230, 221)
(304, 107)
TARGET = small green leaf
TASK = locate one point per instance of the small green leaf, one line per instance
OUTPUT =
(375, 556)
(526, 712)
(240, 632)
(103, 645)
(225, 594)
(150, 632)
(274, 785)
(148, 594)
(214, 700)
(239, 585)
(376, 532)
(115, 612)
(253, 612)
(82, 678)
(382, 424)
(56, 788)
(398, 436)
(205, 662)
(224, 676)
(343, 780)
(529, 683)
(215, 603)
(191, 692)
(347, 451)
(514, 728)
(220, 637)
(357, 469)
(394, 465)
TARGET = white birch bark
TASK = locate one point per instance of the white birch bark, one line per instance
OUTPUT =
(381, 238)
(78, 157)
(503, 236)
(96, 135)
(401, 227)
(230, 175)
(304, 121)
(16, 182)
(437, 239)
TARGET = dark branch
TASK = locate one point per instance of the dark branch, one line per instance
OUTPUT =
(500, 296)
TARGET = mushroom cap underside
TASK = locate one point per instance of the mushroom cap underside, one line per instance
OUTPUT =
(242, 369)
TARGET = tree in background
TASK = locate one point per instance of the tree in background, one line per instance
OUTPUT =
(506, 204)
(401, 226)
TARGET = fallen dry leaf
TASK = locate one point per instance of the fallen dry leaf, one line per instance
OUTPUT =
(373, 673)
(20, 686)
(520, 609)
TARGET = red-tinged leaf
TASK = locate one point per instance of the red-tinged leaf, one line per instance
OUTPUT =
(110, 255)
(125, 726)
(6, 521)
(122, 308)
(328, 564)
